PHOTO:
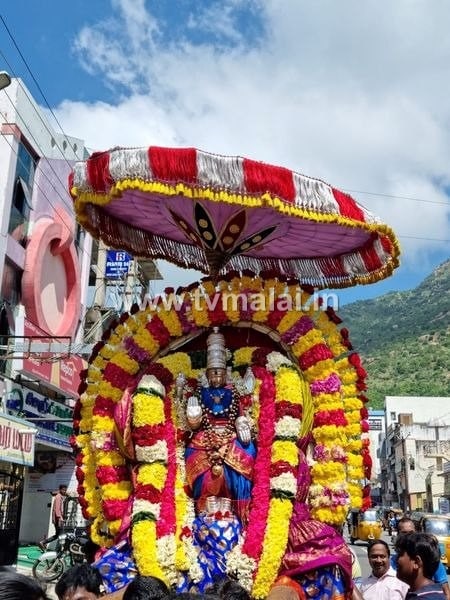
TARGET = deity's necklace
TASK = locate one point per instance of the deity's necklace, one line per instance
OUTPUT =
(215, 440)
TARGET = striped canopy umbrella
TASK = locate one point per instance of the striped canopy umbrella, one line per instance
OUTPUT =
(225, 213)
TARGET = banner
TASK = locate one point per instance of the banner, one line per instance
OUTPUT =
(16, 441)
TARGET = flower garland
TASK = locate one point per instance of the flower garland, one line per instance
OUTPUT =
(283, 476)
(335, 381)
(149, 413)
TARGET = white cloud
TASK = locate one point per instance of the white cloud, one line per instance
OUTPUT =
(356, 95)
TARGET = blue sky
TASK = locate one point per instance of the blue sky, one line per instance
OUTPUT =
(354, 95)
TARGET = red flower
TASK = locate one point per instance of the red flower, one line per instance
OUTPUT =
(147, 435)
(116, 376)
(103, 406)
(364, 426)
(218, 515)
(366, 503)
(281, 467)
(275, 316)
(114, 509)
(217, 315)
(314, 355)
(362, 373)
(330, 417)
(287, 409)
(259, 356)
(113, 474)
(354, 359)
(246, 401)
(332, 316)
(185, 532)
(159, 331)
(367, 459)
(161, 373)
(364, 413)
(148, 492)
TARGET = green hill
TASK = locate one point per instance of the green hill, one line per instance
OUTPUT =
(404, 339)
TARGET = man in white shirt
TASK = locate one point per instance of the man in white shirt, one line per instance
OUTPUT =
(382, 583)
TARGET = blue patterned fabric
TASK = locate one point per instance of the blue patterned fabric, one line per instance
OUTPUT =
(116, 567)
(214, 540)
(325, 583)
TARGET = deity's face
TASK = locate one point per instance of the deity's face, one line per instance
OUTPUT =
(216, 377)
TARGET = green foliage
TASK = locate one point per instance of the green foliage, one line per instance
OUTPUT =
(404, 339)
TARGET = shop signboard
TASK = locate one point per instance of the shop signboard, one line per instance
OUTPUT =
(16, 441)
(55, 431)
(117, 264)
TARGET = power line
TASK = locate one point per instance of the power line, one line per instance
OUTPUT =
(395, 197)
(426, 239)
(33, 78)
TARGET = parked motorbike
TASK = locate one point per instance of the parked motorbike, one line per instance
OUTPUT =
(61, 554)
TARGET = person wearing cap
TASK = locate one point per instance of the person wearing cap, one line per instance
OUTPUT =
(220, 454)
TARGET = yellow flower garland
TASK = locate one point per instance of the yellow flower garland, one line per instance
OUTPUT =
(348, 437)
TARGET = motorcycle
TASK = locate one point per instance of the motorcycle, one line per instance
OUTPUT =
(66, 551)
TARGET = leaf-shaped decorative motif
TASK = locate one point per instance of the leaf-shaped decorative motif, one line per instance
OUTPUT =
(205, 226)
(189, 231)
(253, 240)
(233, 230)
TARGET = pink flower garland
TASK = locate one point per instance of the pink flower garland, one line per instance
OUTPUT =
(261, 480)
(299, 329)
(167, 521)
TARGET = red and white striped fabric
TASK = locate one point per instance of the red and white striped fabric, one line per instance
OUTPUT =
(339, 242)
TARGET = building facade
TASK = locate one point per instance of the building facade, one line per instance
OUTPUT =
(44, 270)
(376, 434)
(414, 452)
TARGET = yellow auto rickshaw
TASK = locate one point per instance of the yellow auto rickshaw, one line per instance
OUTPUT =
(364, 525)
(439, 526)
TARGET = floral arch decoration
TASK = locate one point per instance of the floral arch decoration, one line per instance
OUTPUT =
(129, 432)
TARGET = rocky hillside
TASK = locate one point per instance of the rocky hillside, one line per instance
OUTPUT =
(404, 339)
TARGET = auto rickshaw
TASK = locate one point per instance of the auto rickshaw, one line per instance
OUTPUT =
(439, 526)
(364, 525)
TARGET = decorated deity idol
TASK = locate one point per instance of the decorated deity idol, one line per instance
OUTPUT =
(220, 453)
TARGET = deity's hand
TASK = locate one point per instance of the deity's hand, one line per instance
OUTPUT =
(194, 413)
(243, 430)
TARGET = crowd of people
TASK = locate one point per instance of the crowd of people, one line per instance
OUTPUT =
(413, 571)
